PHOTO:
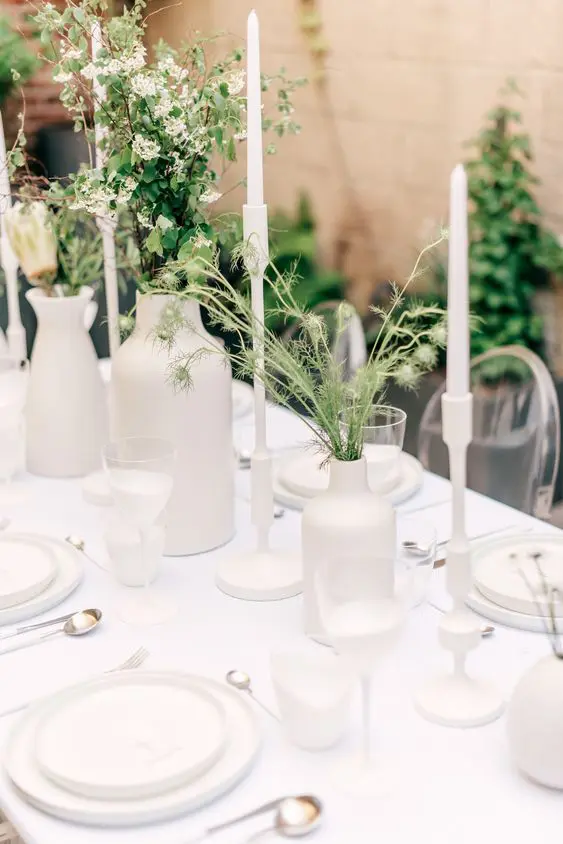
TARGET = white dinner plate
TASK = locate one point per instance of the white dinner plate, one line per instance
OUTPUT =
(410, 481)
(500, 615)
(505, 573)
(68, 576)
(242, 745)
(27, 567)
(145, 735)
(307, 474)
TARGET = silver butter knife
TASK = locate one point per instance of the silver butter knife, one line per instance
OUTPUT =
(37, 626)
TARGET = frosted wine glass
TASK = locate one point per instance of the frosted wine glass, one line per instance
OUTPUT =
(383, 435)
(140, 473)
(362, 629)
(13, 392)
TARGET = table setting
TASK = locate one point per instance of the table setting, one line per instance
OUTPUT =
(220, 618)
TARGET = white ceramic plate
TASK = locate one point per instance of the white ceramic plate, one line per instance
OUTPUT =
(505, 573)
(67, 578)
(243, 399)
(492, 612)
(242, 745)
(145, 735)
(307, 475)
(410, 481)
(27, 567)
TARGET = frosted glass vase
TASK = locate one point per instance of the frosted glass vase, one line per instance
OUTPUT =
(344, 526)
(198, 420)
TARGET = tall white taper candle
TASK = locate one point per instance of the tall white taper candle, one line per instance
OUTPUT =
(15, 332)
(255, 175)
(457, 378)
(106, 224)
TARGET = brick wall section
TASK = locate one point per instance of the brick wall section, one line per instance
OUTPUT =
(42, 105)
(410, 82)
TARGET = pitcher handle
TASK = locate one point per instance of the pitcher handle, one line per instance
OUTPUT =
(90, 314)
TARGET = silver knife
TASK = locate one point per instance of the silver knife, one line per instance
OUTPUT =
(37, 626)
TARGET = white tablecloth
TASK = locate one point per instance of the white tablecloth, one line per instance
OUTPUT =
(456, 785)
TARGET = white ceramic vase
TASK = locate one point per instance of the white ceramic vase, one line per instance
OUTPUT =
(347, 523)
(198, 420)
(66, 408)
(534, 723)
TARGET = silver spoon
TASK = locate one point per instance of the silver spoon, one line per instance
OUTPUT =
(78, 624)
(295, 816)
(241, 681)
(79, 544)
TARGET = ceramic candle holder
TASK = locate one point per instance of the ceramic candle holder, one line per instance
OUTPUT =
(313, 692)
(123, 545)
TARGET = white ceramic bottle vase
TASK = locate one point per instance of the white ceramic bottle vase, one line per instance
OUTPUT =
(347, 523)
(535, 725)
(198, 420)
(66, 409)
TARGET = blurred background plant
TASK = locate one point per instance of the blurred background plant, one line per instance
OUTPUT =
(17, 59)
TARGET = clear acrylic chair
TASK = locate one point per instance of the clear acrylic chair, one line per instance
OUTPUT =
(514, 455)
(347, 346)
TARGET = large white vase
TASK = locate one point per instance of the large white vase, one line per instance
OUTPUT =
(198, 420)
(66, 408)
(343, 526)
(535, 725)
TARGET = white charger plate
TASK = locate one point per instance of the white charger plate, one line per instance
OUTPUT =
(243, 742)
(145, 735)
(67, 578)
(505, 575)
(410, 481)
(27, 567)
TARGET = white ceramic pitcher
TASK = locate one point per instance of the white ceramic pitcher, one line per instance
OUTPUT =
(66, 412)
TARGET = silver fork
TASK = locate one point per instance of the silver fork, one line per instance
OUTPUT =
(134, 661)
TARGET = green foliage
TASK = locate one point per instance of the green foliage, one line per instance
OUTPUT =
(303, 369)
(168, 128)
(17, 61)
(511, 252)
(294, 249)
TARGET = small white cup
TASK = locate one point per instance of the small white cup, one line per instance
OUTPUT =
(313, 693)
(123, 545)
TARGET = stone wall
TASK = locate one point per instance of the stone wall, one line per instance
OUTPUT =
(409, 82)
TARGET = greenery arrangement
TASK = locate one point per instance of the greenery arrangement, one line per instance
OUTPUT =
(17, 61)
(547, 597)
(303, 368)
(511, 252)
(59, 249)
(293, 248)
(169, 127)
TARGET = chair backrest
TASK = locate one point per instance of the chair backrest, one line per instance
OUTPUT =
(514, 454)
(347, 346)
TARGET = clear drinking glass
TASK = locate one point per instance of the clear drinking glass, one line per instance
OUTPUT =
(13, 392)
(383, 436)
(416, 553)
(362, 630)
(140, 472)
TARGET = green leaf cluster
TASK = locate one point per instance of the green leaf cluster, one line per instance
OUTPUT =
(17, 61)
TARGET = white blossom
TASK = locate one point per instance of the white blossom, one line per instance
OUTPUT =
(236, 82)
(89, 71)
(143, 217)
(32, 238)
(71, 53)
(62, 76)
(113, 67)
(208, 196)
(169, 66)
(240, 136)
(176, 127)
(201, 241)
(126, 190)
(143, 85)
(135, 61)
(145, 148)
(163, 107)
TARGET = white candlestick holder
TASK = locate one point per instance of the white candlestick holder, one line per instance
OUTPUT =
(263, 574)
(456, 699)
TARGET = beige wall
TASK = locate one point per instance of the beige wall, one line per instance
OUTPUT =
(410, 80)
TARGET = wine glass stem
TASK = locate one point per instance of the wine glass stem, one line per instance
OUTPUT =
(366, 718)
